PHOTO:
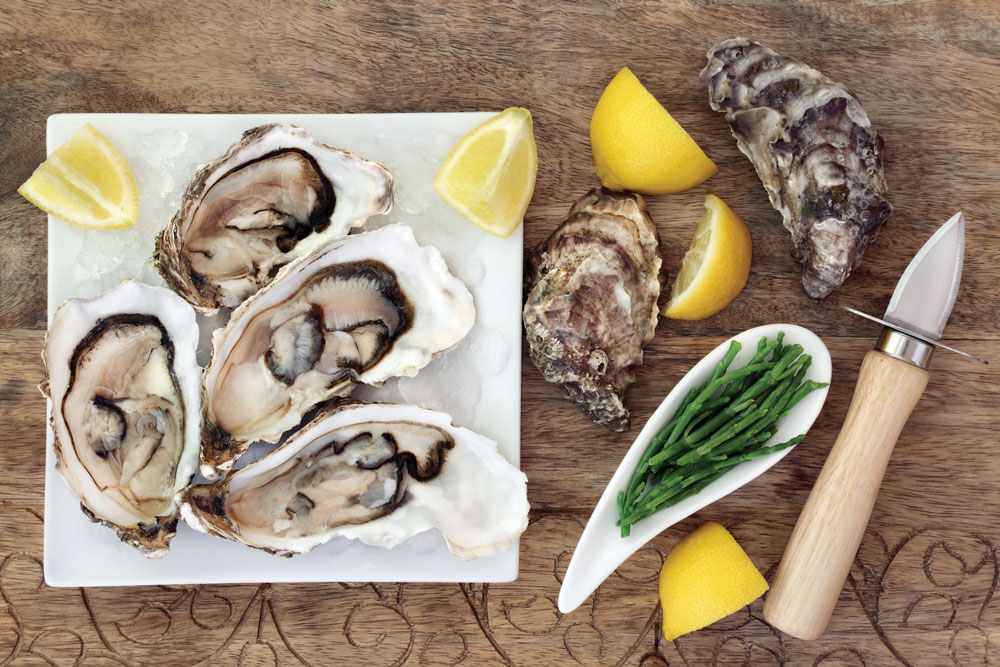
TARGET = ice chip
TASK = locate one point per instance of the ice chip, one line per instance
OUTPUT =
(490, 352)
(471, 272)
(207, 325)
(422, 391)
(160, 146)
(387, 393)
(437, 150)
(426, 542)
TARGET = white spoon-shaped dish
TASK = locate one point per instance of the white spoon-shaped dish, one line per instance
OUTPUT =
(602, 549)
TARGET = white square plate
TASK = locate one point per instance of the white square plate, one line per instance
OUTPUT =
(478, 382)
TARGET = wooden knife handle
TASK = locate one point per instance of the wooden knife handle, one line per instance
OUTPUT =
(829, 530)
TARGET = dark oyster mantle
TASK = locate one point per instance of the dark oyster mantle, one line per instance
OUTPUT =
(591, 303)
(814, 150)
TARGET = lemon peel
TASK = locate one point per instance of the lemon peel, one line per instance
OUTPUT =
(706, 577)
(637, 145)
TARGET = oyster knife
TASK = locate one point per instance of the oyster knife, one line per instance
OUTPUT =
(892, 378)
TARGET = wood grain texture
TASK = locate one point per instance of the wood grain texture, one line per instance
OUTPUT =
(922, 587)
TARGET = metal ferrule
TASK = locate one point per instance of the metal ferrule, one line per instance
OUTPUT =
(909, 347)
(905, 348)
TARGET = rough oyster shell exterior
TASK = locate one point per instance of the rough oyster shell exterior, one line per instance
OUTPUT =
(591, 305)
(815, 152)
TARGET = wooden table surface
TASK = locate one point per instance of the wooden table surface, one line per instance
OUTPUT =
(922, 590)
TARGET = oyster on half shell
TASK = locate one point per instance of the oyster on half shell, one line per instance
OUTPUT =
(366, 308)
(125, 394)
(375, 472)
(275, 195)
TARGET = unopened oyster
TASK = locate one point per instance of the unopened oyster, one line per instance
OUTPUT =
(275, 195)
(814, 149)
(366, 308)
(375, 472)
(125, 395)
(591, 305)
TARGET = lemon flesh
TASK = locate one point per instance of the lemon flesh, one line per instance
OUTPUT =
(87, 182)
(638, 146)
(715, 268)
(706, 577)
(489, 176)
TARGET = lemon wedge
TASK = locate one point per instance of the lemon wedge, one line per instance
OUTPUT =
(706, 577)
(638, 146)
(489, 176)
(87, 182)
(716, 266)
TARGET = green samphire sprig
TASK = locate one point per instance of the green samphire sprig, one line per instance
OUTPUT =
(722, 423)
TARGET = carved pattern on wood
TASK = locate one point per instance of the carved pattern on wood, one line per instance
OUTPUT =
(380, 625)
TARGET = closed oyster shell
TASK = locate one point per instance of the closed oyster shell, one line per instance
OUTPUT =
(815, 152)
(591, 303)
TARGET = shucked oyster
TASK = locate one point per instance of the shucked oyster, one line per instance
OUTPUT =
(591, 305)
(366, 308)
(125, 401)
(275, 195)
(375, 472)
(814, 149)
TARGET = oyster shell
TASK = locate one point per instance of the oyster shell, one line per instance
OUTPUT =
(366, 308)
(591, 303)
(375, 472)
(814, 150)
(275, 195)
(125, 394)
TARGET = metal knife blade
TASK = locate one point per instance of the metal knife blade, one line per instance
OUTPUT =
(926, 292)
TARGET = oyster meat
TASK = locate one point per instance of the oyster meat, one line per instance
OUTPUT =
(375, 472)
(591, 303)
(814, 150)
(366, 308)
(275, 195)
(125, 394)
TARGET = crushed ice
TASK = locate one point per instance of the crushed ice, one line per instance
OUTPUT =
(162, 162)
